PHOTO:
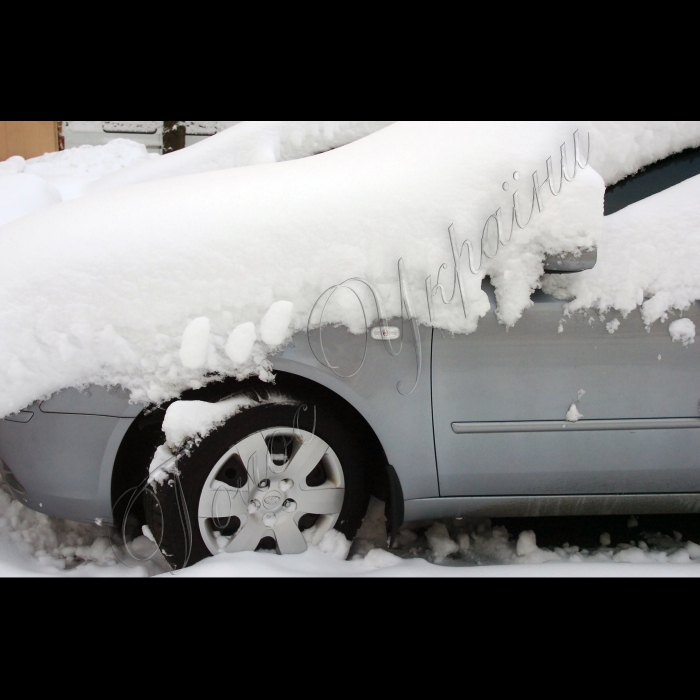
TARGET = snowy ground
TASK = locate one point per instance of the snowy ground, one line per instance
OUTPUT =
(33, 544)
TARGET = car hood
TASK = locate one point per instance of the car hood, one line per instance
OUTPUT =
(100, 290)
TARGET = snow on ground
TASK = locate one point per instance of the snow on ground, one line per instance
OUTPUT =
(33, 544)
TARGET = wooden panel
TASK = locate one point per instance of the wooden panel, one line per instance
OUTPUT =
(28, 139)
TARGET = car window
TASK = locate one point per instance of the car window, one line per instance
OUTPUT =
(652, 180)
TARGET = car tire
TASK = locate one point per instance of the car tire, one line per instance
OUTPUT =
(275, 476)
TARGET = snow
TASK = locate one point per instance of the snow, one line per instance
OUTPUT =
(683, 331)
(230, 244)
(194, 349)
(247, 143)
(527, 543)
(573, 415)
(380, 559)
(88, 162)
(440, 542)
(484, 550)
(275, 323)
(22, 194)
(14, 164)
(239, 345)
(162, 464)
(624, 147)
(297, 227)
(648, 257)
(27, 186)
(33, 544)
(196, 419)
(612, 326)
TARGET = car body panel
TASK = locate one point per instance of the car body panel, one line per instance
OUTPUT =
(94, 400)
(553, 506)
(534, 373)
(64, 461)
(402, 423)
(64, 455)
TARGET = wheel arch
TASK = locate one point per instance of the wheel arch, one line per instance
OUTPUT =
(145, 434)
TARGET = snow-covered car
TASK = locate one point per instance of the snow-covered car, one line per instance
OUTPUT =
(483, 396)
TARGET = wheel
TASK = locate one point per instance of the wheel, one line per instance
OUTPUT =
(274, 476)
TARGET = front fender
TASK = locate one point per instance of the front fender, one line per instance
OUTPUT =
(402, 423)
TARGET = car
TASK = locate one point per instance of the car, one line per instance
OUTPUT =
(434, 423)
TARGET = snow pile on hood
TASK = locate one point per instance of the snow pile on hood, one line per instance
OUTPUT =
(648, 257)
(247, 143)
(104, 287)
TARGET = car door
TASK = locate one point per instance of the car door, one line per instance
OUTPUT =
(501, 397)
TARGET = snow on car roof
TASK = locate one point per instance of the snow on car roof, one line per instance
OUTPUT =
(103, 289)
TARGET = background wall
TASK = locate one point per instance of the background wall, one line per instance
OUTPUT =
(27, 139)
(34, 138)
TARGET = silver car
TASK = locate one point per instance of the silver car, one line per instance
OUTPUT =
(482, 433)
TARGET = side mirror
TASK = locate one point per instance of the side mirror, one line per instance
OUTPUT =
(569, 262)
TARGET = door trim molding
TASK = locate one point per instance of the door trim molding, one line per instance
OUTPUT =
(554, 426)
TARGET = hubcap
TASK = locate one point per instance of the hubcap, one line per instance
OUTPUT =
(264, 485)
